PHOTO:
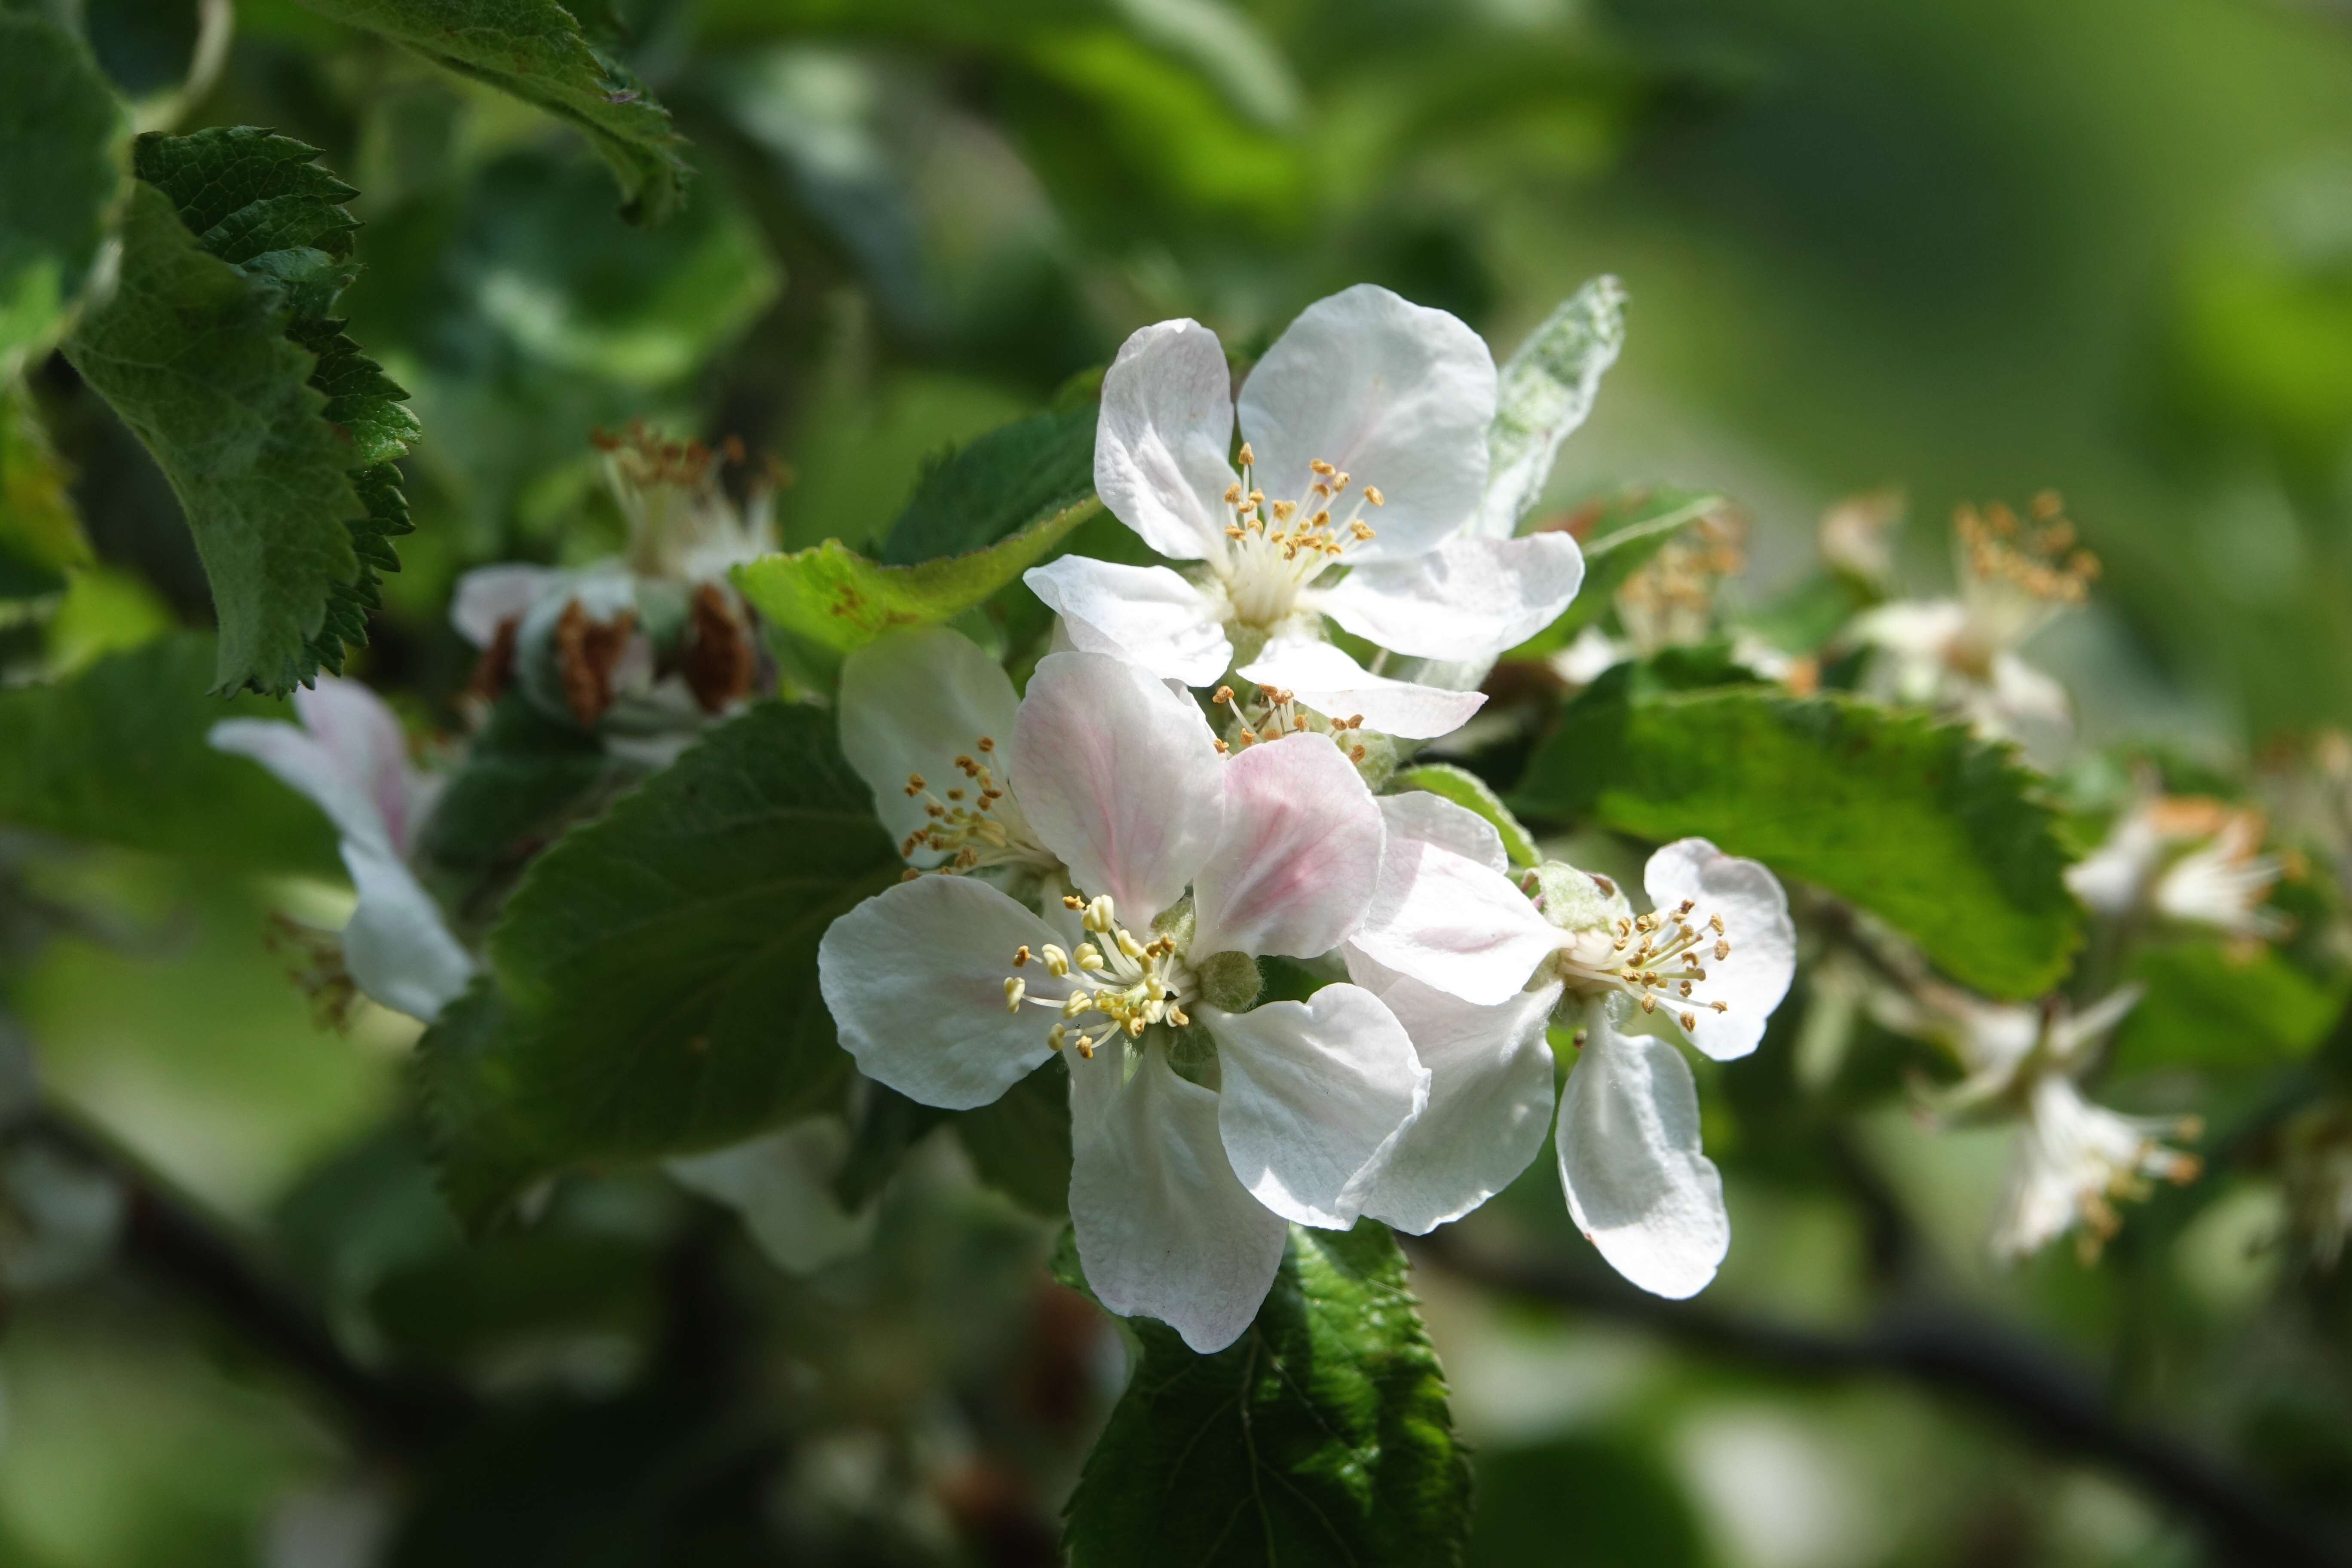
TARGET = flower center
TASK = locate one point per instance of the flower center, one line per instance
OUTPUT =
(2015, 576)
(977, 824)
(683, 526)
(1121, 983)
(1279, 547)
(1276, 713)
(1651, 958)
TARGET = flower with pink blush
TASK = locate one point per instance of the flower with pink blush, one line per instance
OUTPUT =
(1201, 1123)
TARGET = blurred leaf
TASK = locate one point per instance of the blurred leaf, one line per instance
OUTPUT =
(1625, 530)
(1320, 1435)
(522, 777)
(1020, 1142)
(462, 1302)
(1942, 835)
(117, 754)
(61, 141)
(653, 980)
(1623, 1508)
(1467, 790)
(2210, 1006)
(40, 534)
(884, 1126)
(533, 49)
(974, 496)
(261, 203)
(837, 597)
(1544, 394)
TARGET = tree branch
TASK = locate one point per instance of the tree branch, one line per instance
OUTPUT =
(2053, 1402)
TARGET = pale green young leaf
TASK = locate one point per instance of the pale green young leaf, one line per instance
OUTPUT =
(1467, 790)
(1942, 835)
(1544, 394)
(652, 985)
(1321, 1435)
(62, 136)
(534, 50)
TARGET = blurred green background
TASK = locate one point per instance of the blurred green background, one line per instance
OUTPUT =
(1973, 250)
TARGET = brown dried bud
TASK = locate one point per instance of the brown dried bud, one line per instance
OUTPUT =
(494, 671)
(586, 652)
(719, 661)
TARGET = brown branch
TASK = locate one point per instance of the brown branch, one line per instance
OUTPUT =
(2054, 1403)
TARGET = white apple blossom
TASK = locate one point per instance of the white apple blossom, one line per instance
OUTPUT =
(2074, 1159)
(347, 755)
(1708, 966)
(2186, 859)
(1960, 655)
(1199, 1126)
(1363, 471)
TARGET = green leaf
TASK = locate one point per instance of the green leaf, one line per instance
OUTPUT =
(534, 50)
(2208, 1007)
(1320, 1435)
(1020, 1143)
(653, 981)
(1626, 530)
(1944, 837)
(61, 169)
(1023, 473)
(837, 597)
(40, 533)
(117, 754)
(522, 776)
(1466, 789)
(1544, 394)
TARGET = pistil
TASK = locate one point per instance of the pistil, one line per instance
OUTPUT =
(1651, 958)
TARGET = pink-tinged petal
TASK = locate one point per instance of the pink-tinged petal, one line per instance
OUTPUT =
(1396, 395)
(1434, 819)
(1164, 1228)
(1629, 1160)
(912, 702)
(1454, 924)
(1311, 1093)
(1294, 872)
(397, 947)
(1120, 777)
(915, 980)
(490, 597)
(1329, 681)
(1147, 615)
(1467, 599)
(781, 1184)
(1754, 976)
(303, 763)
(1490, 1098)
(365, 740)
(1162, 445)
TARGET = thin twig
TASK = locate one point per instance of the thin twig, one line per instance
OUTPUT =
(2055, 1403)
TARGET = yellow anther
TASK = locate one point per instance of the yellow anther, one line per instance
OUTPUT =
(1221, 694)
(986, 744)
(1176, 1016)
(1320, 467)
(1057, 963)
(1055, 1035)
(1355, 753)
(1135, 1028)
(1128, 944)
(1089, 956)
(1100, 914)
(1233, 493)
(1690, 1020)
(1076, 1003)
(1720, 1006)
(1020, 955)
(1072, 901)
(1372, 494)
(1223, 749)
(1086, 1048)
(1722, 951)
(1360, 528)
(1014, 990)
(1283, 510)
(1249, 458)
(955, 795)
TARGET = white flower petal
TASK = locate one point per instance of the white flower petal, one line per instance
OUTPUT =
(915, 980)
(1162, 445)
(1467, 599)
(1329, 681)
(1145, 613)
(1454, 924)
(1490, 1098)
(1164, 1228)
(1294, 870)
(397, 947)
(1434, 819)
(303, 763)
(1755, 976)
(781, 1184)
(1312, 1092)
(489, 597)
(1396, 395)
(1119, 777)
(912, 702)
(1629, 1160)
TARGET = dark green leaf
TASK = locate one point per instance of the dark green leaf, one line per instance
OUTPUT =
(1021, 1144)
(653, 981)
(1467, 790)
(884, 1125)
(117, 754)
(996, 485)
(61, 135)
(534, 50)
(1321, 1435)
(1940, 835)
(835, 597)
(2210, 1006)
(1625, 530)
(522, 775)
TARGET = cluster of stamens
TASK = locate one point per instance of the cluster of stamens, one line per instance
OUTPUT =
(2040, 560)
(676, 507)
(1280, 546)
(1135, 985)
(1670, 600)
(1651, 958)
(967, 826)
(1276, 713)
